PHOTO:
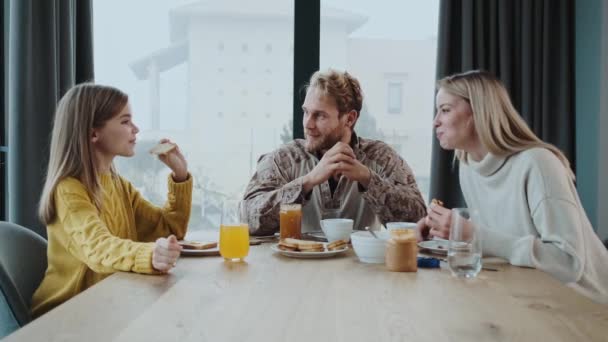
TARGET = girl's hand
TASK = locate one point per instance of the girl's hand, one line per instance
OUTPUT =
(176, 162)
(165, 254)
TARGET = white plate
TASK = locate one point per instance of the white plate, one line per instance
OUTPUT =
(317, 234)
(308, 255)
(265, 237)
(437, 246)
(201, 252)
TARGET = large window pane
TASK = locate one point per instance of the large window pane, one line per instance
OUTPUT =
(214, 76)
(390, 46)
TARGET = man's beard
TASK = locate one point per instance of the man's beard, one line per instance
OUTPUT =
(325, 143)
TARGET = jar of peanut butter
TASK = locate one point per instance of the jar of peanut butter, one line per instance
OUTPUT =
(402, 254)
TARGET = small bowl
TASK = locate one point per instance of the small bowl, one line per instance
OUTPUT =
(337, 229)
(400, 225)
(368, 248)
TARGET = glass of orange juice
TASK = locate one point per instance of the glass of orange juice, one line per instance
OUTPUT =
(234, 231)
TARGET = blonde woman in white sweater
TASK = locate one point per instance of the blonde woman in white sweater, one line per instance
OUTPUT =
(523, 188)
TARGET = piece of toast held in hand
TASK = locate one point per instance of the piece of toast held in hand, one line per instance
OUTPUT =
(437, 202)
(197, 245)
(162, 148)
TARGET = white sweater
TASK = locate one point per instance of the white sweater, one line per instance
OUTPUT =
(530, 214)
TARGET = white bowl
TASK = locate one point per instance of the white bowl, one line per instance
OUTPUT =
(368, 248)
(400, 225)
(337, 229)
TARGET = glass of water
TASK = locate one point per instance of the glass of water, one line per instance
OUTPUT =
(464, 247)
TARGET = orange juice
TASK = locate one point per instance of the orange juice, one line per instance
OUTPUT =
(290, 219)
(234, 241)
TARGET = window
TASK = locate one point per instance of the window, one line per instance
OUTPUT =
(394, 93)
(200, 73)
(391, 48)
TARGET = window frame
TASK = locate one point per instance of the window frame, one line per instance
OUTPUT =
(306, 54)
(4, 14)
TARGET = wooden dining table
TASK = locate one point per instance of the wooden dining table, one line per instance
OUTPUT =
(270, 297)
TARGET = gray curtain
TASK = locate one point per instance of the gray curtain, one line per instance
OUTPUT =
(50, 50)
(529, 45)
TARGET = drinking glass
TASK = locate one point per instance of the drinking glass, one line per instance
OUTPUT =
(234, 231)
(464, 247)
(290, 219)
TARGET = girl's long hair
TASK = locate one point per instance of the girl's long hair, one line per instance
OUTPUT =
(82, 108)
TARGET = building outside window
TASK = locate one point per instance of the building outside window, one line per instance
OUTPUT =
(217, 78)
(394, 97)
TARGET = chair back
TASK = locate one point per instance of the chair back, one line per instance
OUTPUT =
(22, 266)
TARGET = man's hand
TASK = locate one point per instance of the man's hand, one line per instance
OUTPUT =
(354, 170)
(330, 165)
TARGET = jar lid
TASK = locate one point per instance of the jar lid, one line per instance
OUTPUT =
(402, 239)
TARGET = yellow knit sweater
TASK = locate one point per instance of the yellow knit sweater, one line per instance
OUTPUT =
(85, 246)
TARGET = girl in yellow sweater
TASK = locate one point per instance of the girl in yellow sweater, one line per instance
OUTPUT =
(97, 222)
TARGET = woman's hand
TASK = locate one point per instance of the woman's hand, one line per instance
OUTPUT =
(165, 254)
(438, 220)
(422, 230)
(436, 223)
(175, 161)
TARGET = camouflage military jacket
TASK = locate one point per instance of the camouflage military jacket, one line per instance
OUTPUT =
(392, 194)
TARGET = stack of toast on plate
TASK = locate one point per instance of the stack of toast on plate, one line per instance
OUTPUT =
(297, 245)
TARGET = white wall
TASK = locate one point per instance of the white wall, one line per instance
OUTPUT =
(603, 137)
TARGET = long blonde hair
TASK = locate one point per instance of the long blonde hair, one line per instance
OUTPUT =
(501, 129)
(82, 108)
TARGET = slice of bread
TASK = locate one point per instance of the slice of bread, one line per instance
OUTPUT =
(338, 244)
(285, 248)
(289, 244)
(294, 241)
(301, 245)
(197, 245)
(309, 248)
(162, 148)
(304, 244)
(312, 250)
